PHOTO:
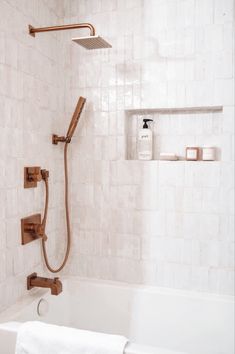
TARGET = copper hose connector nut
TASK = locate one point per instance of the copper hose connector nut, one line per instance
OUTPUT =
(44, 237)
(44, 174)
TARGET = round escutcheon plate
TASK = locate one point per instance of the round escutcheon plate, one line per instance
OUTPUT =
(42, 307)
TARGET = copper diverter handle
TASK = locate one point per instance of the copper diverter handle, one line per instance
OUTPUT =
(32, 175)
(32, 229)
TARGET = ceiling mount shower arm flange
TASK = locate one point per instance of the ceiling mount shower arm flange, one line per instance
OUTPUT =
(33, 30)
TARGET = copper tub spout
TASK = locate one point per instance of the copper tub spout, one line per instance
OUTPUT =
(39, 282)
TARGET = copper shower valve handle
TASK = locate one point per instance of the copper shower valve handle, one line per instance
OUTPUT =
(32, 228)
(34, 174)
(36, 230)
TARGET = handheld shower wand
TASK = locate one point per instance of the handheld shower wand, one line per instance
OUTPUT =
(66, 139)
(75, 118)
(72, 125)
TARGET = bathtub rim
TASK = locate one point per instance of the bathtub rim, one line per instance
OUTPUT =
(70, 282)
(155, 289)
(8, 313)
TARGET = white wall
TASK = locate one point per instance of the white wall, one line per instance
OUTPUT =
(167, 224)
(161, 223)
(31, 107)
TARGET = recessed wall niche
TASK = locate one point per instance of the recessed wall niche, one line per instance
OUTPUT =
(174, 129)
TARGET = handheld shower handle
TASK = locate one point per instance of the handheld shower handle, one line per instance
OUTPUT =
(72, 125)
(75, 118)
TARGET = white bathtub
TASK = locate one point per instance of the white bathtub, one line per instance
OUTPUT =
(156, 320)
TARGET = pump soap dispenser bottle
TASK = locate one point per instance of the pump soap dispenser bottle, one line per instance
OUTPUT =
(145, 142)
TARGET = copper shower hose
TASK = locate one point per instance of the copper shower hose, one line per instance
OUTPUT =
(44, 221)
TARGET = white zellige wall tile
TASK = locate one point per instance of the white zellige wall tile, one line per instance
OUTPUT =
(31, 109)
(160, 223)
(164, 223)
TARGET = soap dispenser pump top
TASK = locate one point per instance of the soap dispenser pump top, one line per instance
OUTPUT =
(145, 126)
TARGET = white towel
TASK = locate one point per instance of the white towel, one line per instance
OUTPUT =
(41, 338)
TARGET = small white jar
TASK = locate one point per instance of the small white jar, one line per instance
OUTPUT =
(192, 153)
(208, 153)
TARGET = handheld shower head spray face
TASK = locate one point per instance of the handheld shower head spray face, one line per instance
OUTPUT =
(92, 42)
(75, 118)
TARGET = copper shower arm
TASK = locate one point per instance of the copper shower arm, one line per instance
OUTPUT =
(33, 30)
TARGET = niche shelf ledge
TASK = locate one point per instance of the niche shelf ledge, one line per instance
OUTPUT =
(176, 128)
(176, 110)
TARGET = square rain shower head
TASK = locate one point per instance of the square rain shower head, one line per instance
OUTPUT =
(92, 42)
